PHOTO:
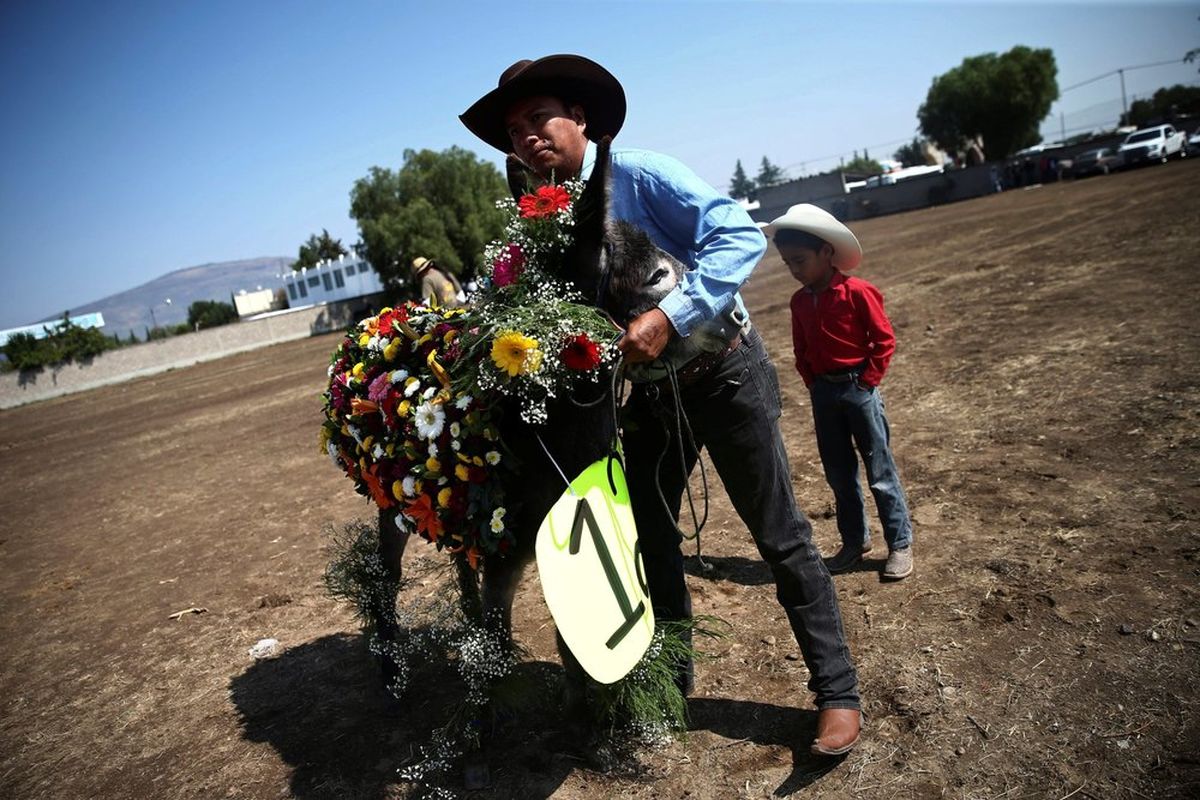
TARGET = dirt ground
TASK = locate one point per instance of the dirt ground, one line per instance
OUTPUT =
(1044, 412)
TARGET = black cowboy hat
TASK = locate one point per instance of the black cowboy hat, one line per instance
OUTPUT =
(573, 79)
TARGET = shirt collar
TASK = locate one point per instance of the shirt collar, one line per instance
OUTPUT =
(589, 161)
(838, 279)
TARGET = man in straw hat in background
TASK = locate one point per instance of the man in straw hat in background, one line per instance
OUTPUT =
(436, 285)
(550, 112)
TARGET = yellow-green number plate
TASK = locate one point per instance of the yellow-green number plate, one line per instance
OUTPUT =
(592, 577)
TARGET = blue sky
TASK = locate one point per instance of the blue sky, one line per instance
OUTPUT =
(141, 137)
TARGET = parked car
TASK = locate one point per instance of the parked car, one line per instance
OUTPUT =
(1152, 144)
(1095, 162)
(1193, 143)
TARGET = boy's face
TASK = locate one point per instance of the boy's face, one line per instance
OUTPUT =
(813, 268)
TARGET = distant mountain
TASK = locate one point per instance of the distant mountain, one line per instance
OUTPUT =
(130, 310)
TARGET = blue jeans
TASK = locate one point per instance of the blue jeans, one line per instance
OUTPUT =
(734, 413)
(848, 417)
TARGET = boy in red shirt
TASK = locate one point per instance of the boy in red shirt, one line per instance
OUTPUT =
(843, 343)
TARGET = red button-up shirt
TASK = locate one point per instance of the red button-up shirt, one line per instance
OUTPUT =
(841, 328)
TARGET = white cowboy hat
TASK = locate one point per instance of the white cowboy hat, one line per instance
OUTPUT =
(847, 252)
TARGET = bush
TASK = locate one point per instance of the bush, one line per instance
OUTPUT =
(68, 342)
(210, 314)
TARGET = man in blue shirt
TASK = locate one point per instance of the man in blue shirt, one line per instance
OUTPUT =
(546, 111)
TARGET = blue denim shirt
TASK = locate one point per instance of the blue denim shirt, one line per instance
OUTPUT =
(707, 231)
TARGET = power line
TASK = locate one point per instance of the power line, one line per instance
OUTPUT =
(1119, 70)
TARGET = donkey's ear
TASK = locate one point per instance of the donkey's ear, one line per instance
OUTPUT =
(591, 210)
(521, 179)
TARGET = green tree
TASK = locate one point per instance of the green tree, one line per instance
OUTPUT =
(438, 205)
(768, 174)
(862, 165)
(911, 154)
(209, 314)
(1001, 98)
(1165, 104)
(64, 342)
(317, 249)
(739, 185)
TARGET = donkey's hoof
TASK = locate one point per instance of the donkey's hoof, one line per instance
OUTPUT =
(601, 755)
(476, 776)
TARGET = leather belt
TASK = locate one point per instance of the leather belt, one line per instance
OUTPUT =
(703, 364)
(841, 376)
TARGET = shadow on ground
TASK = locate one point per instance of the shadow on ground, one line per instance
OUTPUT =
(736, 569)
(322, 707)
(767, 724)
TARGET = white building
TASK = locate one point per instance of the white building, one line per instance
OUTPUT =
(256, 302)
(348, 277)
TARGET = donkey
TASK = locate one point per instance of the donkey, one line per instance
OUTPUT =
(617, 267)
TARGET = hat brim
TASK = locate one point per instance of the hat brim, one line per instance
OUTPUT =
(847, 252)
(575, 79)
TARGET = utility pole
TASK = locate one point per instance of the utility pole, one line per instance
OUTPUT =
(1124, 102)
(1062, 126)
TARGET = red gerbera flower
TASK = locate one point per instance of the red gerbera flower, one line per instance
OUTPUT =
(581, 353)
(545, 202)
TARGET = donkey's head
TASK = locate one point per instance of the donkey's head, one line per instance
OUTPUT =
(614, 264)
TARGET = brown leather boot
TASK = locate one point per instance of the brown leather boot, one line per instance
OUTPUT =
(837, 731)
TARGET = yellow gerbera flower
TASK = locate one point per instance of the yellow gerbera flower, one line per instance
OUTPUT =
(514, 352)
(462, 473)
(444, 497)
(433, 465)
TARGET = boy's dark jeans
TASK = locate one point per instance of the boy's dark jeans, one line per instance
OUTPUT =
(734, 412)
(849, 417)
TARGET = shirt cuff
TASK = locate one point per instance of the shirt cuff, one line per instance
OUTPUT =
(682, 312)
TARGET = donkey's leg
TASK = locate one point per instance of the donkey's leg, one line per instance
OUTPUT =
(392, 541)
(468, 588)
(501, 577)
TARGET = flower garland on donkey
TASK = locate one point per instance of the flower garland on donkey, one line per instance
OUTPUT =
(415, 391)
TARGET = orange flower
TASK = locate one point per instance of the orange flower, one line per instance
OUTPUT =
(360, 406)
(545, 202)
(421, 511)
(473, 557)
(378, 493)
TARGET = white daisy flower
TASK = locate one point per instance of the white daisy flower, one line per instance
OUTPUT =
(377, 453)
(430, 420)
(455, 445)
(333, 453)
(430, 392)
(455, 429)
(433, 449)
(398, 375)
(497, 522)
(356, 433)
(409, 486)
(411, 387)
(463, 402)
(492, 457)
